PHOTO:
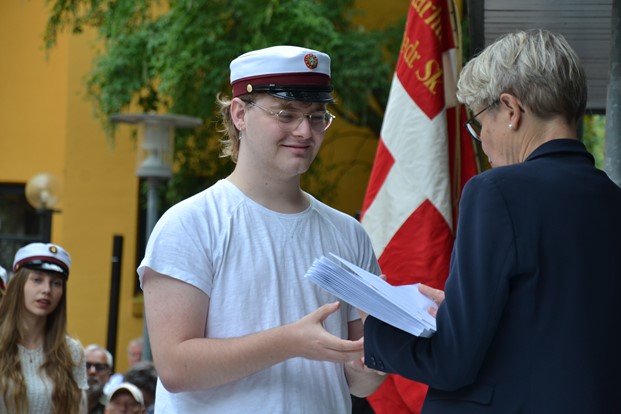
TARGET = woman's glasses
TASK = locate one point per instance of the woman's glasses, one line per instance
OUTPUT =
(474, 127)
(289, 120)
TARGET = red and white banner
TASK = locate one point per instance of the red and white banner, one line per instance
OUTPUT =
(424, 157)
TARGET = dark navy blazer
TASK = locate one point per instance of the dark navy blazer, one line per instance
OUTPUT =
(531, 322)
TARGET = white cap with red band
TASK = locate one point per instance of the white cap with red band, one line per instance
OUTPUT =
(287, 72)
(43, 256)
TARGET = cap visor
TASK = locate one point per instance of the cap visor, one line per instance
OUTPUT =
(46, 266)
(303, 96)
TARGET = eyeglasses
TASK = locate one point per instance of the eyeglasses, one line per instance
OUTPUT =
(289, 120)
(474, 127)
(98, 366)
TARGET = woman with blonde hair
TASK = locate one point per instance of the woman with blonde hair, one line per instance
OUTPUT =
(42, 369)
(530, 315)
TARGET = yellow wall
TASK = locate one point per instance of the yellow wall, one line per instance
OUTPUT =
(46, 124)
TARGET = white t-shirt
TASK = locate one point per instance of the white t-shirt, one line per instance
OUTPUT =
(251, 262)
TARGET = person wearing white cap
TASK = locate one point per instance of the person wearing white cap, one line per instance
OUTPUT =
(125, 398)
(233, 324)
(42, 369)
(3, 279)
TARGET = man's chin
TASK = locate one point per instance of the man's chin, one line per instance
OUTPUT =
(95, 388)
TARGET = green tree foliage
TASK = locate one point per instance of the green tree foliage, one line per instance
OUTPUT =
(173, 56)
(593, 136)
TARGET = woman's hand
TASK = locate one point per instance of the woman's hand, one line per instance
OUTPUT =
(436, 295)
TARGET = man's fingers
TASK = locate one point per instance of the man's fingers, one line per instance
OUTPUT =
(326, 310)
(343, 356)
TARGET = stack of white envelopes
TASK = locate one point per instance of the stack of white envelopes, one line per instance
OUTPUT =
(403, 307)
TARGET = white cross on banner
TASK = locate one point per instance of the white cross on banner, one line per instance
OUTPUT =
(423, 159)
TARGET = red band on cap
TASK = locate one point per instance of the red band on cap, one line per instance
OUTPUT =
(296, 80)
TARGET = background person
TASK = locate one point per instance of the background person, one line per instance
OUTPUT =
(531, 318)
(98, 367)
(143, 375)
(3, 280)
(135, 348)
(125, 398)
(42, 369)
(233, 324)
(134, 355)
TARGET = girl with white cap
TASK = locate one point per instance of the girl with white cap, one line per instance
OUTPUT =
(42, 369)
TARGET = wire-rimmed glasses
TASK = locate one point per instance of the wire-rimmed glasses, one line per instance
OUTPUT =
(289, 120)
(474, 127)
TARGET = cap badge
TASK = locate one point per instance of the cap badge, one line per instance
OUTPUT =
(311, 61)
(53, 249)
(249, 88)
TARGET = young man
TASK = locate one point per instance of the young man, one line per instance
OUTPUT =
(234, 326)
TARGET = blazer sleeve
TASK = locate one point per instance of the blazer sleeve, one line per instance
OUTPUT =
(476, 292)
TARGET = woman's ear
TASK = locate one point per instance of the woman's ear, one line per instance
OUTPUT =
(238, 113)
(514, 110)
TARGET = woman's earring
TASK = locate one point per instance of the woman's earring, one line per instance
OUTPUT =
(510, 126)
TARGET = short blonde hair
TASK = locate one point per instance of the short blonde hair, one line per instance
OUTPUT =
(230, 133)
(537, 66)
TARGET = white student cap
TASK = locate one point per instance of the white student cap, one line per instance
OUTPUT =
(43, 256)
(3, 277)
(132, 389)
(287, 72)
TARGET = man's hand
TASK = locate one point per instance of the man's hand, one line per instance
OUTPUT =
(358, 365)
(314, 342)
(362, 380)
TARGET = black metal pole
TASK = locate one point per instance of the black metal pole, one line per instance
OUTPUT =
(45, 224)
(476, 25)
(115, 287)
